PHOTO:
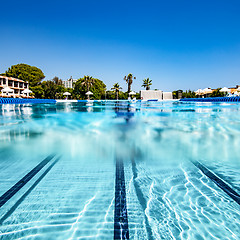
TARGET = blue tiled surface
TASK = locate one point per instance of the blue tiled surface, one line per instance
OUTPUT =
(25, 100)
(214, 99)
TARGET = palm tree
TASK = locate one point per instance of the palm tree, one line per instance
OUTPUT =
(116, 89)
(147, 83)
(129, 80)
(88, 81)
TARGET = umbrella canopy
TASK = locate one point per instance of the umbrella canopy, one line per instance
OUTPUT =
(199, 91)
(89, 93)
(26, 91)
(225, 89)
(132, 93)
(207, 90)
(7, 90)
(66, 94)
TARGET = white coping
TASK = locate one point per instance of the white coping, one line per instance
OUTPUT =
(65, 101)
(111, 100)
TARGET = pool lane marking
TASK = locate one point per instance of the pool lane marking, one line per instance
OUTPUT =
(14, 207)
(219, 182)
(121, 230)
(13, 190)
(141, 199)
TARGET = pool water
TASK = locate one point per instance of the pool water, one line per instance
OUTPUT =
(119, 170)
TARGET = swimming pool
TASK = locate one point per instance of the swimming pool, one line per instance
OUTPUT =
(119, 170)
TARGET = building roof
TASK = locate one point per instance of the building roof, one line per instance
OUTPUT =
(13, 79)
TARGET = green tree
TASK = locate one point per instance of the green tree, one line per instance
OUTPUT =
(83, 85)
(189, 94)
(110, 95)
(50, 89)
(174, 93)
(57, 81)
(60, 89)
(147, 83)
(38, 91)
(30, 74)
(129, 80)
(217, 93)
(116, 89)
(88, 82)
(123, 95)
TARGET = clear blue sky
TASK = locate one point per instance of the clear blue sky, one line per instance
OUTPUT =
(178, 44)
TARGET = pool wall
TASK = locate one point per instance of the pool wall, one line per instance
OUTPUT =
(25, 100)
(213, 99)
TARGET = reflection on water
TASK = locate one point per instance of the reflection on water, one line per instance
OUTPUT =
(167, 197)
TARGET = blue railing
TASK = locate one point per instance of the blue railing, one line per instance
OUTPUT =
(213, 99)
(25, 100)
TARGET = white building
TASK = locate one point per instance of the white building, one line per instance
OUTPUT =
(167, 96)
(155, 95)
(17, 85)
(69, 83)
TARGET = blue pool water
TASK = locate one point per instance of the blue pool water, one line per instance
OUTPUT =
(119, 170)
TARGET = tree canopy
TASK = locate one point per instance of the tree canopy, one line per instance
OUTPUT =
(147, 83)
(129, 80)
(85, 84)
(27, 73)
(189, 94)
(49, 89)
(116, 88)
(217, 93)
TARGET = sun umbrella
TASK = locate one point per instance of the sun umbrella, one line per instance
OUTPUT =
(26, 91)
(67, 94)
(225, 89)
(132, 93)
(7, 90)
(88, 94)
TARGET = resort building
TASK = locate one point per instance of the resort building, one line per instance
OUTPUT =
(69, 83)
(16, 86)
(205, 93)
(235, 90)
(155, 95)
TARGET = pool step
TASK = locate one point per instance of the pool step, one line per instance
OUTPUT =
(121, 230)
(219, 182)
(13, 190)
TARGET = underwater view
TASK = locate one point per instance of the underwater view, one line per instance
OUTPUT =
(120, 170)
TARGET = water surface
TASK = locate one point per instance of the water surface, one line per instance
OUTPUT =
(167, 196)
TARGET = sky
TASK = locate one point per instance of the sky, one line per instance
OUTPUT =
(187, 44)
